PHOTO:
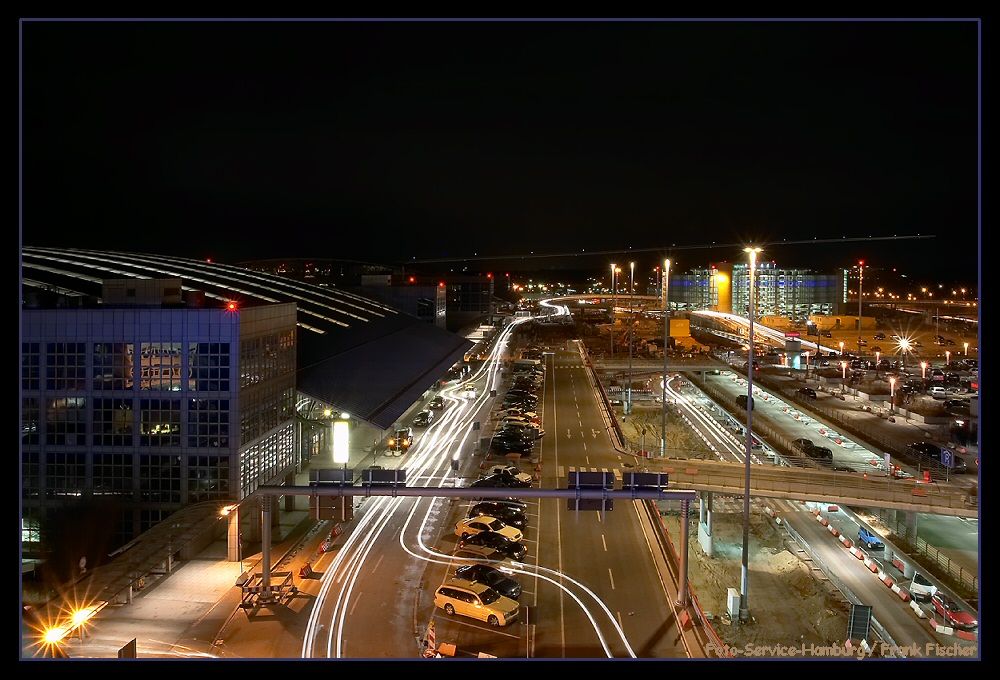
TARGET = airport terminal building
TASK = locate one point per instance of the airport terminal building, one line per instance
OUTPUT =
(153, 383)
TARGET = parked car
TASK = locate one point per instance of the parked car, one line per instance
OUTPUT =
(953, 614)
(938, 392)
(525, 430)
(510, 515)
(495, 578)
(475, 525)
(511, 471)
(475, 600)
(957, 407)
(803, 444)
(516, 412)
(870, 539)
(423, 418)
(437, 402)
(512, 443)
(822, 454)
(879, 336)
(928, 450)
(489, 543)
(508, 501)
(921, 589)
(807, 392)
(500, 482)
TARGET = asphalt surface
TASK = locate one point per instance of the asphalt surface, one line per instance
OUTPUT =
(199, 612)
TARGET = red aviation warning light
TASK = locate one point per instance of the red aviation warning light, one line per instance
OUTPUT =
(231, 306)
(413, 279)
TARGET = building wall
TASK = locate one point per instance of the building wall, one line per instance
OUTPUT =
(151, 406)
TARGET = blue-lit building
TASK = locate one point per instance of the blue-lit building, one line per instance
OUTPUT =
(794, 294)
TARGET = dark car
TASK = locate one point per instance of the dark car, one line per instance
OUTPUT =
(820, 453)
(928, 450)
(500, 482)
(512, 444)
(510, 502)
(424, 418)
(436, 402)
(502, 511)
(879, 336)
(807, 392)
(491, 576)
(803, 444)
(515, 550)
(957, 406)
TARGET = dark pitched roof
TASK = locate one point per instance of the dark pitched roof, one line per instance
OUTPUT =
(354, 353)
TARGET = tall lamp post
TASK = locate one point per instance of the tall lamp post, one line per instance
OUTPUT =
(877, 359)
(947, 358)
(904, 346)
(841, 348)
(861, 280)
(923, 374)
(807, 364)
(666, 339)
(892, 394)
(843, 377)
(631, 290)
(966, 349)
(745, 571)
(614, 309)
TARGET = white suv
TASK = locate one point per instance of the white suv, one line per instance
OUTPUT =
(475, 600)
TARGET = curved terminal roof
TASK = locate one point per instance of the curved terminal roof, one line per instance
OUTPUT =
(355, 354)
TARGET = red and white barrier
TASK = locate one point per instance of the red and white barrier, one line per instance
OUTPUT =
(918, 610)
(833, 530)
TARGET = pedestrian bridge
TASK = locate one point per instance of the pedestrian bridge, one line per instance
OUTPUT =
(840, 487)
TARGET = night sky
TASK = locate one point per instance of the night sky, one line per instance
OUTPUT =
(403, 141)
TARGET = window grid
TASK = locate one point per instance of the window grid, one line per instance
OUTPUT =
(114, 367)
(67, 366)
(160, 422)
(65, 475)
(161, 479)
(31, 373)
(113, 422)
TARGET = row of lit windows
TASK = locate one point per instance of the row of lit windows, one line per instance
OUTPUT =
(64, 366)
(113, 422)
(159, 477)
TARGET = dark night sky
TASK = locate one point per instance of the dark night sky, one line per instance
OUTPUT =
(393, 141)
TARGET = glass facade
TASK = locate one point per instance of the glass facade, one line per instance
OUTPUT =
(143, 403)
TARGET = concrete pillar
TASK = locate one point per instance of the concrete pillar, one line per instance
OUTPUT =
(705, 522)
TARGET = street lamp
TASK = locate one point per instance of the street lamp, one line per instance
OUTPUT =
(843, 377)
(947, 358)
(807, 364)
(904, 345)
(966, 349)
(841, 348)
(923, 373)
(614, 310)
(745, 572)
(631, 322)
(877, 360)
(666, 339)
(861, 280)
(892, 394)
